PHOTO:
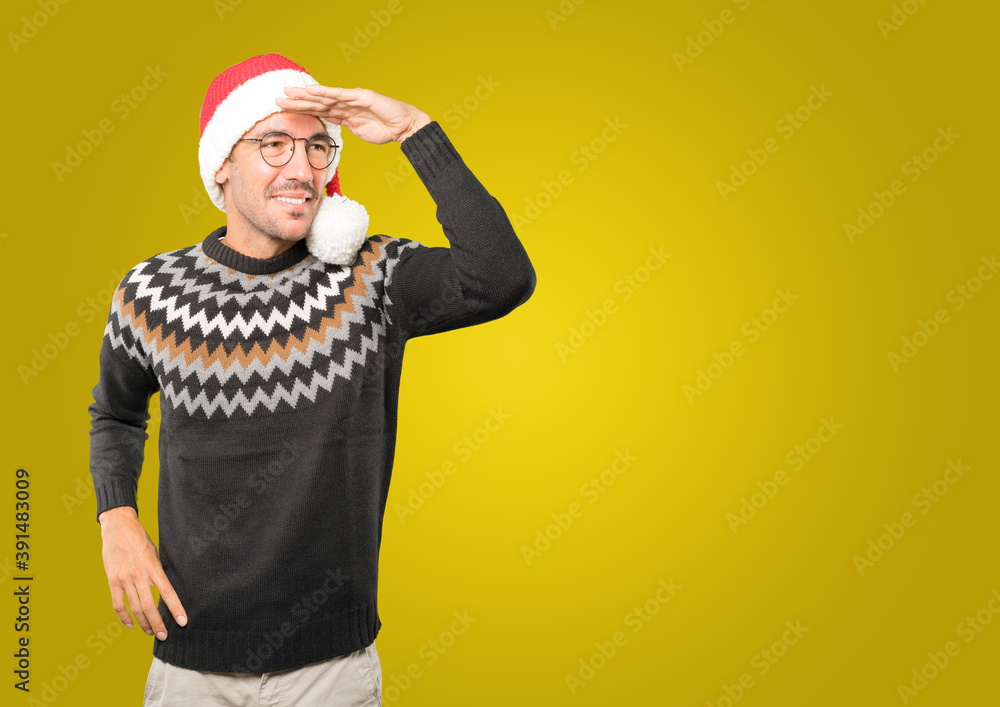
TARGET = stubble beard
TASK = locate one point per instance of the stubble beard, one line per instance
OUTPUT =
(254, 212)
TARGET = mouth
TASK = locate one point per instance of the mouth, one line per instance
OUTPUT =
(293, 203)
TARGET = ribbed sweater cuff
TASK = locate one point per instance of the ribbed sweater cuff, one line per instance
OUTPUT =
(115, 492)
(429, 151)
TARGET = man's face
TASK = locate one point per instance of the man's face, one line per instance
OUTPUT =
(252, 186)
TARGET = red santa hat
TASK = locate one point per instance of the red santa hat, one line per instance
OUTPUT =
(239, 98)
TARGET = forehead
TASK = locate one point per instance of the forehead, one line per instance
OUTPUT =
(290, 122)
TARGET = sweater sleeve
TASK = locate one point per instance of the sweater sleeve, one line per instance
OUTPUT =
(120, 410)
(483, 275)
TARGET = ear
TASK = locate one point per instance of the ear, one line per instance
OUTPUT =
(222, 176)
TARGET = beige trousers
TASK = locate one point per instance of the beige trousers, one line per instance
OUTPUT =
(352, 680)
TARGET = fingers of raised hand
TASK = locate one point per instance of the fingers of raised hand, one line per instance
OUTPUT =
(328, 96)
(319, 95)
(347, 95)
(303, 105)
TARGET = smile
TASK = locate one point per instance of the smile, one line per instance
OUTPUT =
(289, 200)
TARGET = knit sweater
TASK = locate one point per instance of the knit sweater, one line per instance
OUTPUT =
(279, 382)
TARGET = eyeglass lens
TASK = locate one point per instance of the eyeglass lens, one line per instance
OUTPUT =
(276, 149)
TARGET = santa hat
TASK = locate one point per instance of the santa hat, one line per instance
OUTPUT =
(241, 96)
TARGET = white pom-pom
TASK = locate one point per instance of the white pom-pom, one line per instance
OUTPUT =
(338, 231)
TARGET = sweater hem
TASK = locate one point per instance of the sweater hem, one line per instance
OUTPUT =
(286, 646)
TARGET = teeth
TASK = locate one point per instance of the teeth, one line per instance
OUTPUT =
(289, 200)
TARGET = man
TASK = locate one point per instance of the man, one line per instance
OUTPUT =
(276, 345)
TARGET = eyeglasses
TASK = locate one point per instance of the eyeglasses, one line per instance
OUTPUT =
(277, 149)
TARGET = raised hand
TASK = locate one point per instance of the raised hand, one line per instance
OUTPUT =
(371, 116)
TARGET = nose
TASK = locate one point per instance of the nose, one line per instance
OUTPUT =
(298, 168)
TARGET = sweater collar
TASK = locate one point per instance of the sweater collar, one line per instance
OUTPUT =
(225, 255)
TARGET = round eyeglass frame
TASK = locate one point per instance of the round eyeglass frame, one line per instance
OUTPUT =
(291, 153)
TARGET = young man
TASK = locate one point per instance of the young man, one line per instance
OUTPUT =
(276, 345)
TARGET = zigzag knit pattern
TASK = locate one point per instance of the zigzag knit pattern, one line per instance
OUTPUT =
(224, 343)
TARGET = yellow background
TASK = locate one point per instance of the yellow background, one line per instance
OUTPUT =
(653, 186)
